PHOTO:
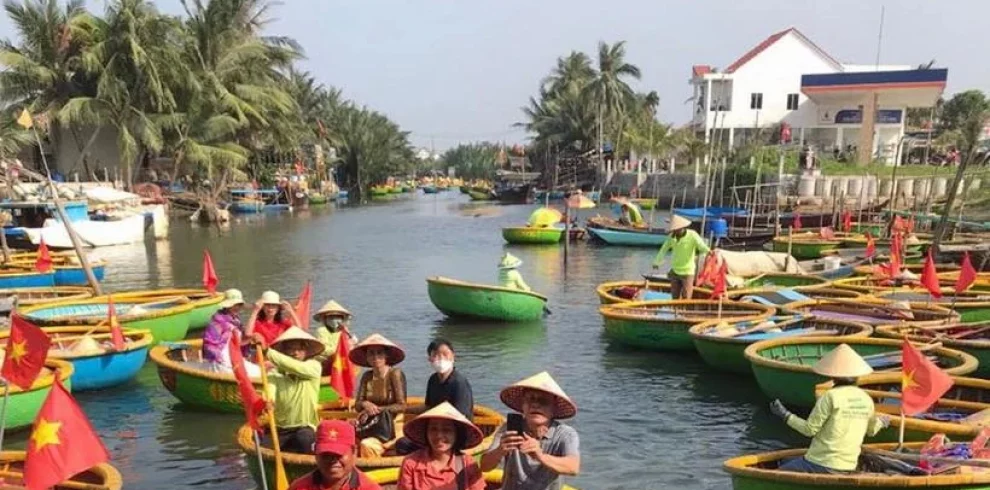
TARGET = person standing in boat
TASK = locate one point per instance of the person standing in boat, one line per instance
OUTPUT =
(631, 215)
(332, 322)
(841, 419)
(295, 389)
(546, 449)
(685, 246)
(508, 276)
(270, 318)
(443, 433)
(336, 453)
(381, 389)
(216, 338)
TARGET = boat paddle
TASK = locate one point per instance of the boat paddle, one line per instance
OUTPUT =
(281, 480)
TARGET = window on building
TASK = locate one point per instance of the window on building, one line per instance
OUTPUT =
(792, 102)
(756, 101)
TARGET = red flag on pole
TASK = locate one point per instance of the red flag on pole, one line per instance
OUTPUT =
(62, 444)
(871, 246)
(210, 279)
(709, 269)
(895, 255)
(718, 289)
(342, 375)
(27, 348)
(929, 277)
(44, 261)
(847, 221)
(967, 275)
(922, 382)
(797, 221)
(253, 404)
(116, 335)
(303, 305)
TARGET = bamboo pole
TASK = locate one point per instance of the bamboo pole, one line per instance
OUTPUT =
(281, 480)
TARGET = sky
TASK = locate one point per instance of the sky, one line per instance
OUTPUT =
(453, 71)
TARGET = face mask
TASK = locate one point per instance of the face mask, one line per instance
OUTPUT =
(442, 365)
(334, 324)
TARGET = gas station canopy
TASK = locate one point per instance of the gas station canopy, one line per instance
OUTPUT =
(900, 88)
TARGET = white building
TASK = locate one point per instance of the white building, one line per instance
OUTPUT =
(789, 79)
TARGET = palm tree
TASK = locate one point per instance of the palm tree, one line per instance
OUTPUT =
(574, 70)
(609, 88)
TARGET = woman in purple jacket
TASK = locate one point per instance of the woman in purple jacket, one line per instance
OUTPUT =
(216, 338)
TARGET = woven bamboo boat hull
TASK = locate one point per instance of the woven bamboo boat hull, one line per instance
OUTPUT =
(204, 390)
(204, 303)
(805, 249)
(530, 235)
(35, 296)
(103, 370)
(23, 405)
(627, 325)
(463, 299)
(978, 348)
(167, 323)
(606, 290)
(102, 476)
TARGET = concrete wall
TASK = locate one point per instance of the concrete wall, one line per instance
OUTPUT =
(102, 154)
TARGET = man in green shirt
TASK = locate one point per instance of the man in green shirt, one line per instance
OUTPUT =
(295, 389)
(685, 246)
(842, 417)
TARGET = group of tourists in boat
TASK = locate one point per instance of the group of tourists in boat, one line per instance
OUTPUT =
(535, 448)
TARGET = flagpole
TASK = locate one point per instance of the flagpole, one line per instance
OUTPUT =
(900, 437)
(281, 480)
(261, 462)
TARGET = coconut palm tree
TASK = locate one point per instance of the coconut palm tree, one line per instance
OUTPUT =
(609, 89)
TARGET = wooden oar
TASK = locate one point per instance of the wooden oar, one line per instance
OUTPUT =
(917, 458)
(75, 485)
(281, 480)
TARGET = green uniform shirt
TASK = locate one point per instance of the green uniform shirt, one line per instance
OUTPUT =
(295, 389)
(837, 425)
(511, 278)
(329, 340)
(635, 215)
(684, 249)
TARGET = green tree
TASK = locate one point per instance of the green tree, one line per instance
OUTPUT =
(473, 160)
(968, 113)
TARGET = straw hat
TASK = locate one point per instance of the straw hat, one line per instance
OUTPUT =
(232, 297)
(678, 222)
(86, 346)
(271, 298)
(393, 353)
(313, 347)
(512, 396)
(415, 429)
(842, 362)
(509, 261)
(331, 308)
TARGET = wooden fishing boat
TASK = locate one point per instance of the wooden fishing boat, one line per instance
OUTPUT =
(953, 414)
(26, 278)
(204, 303)
(68, 270)
(971, 338)
(775, 281)
(972, 306)
(297, 465)
(722, 345)
(98, 369)
(804, 246)
(532, 235)
(167, 319)
(760, 472)
(628, 237)
(826, 268)
(100, 477)
(34, 296)
(875, 311)
(25, 404)
(188, 378)
(782, 367)
(482, 301)
(388, 479)
(429, 189)
(742, 239)
(664, 324)
(247, 206)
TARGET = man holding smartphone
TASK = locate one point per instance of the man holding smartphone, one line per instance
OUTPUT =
(535, 448)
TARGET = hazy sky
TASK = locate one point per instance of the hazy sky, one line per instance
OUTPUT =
(452, 71)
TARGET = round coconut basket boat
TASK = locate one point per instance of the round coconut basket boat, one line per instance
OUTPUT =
(805, 246)
(760, 472)
(876, 311)
(35, 296)
(956, 413)
(971, 338)
(776, 281)
(388, 479)
(874, 285)
(100, 477)
(724, 348)
(786, 299)
(23, 405)
(187, 377)
(204, 303)
(972, 306)
(782, 367)
(166, 318)
(297, 465)
(485, 302)
(664, 325)
(860, 241)
(529, 235)
(99, 367)
(870, 269)
(613, 292)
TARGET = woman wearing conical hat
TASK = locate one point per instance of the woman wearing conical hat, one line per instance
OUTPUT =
(684, 245)
(508, 276)
(842, 417)
(295, 388)
(382, 388)
(444, 434)
(332, 321)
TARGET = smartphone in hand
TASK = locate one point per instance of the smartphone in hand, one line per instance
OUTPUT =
(514, 423)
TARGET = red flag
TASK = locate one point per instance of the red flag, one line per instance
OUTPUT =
(116, 335)
(871, 246)
(847, 221)
(827, 233)
(708, 269)
(303, 305)
(44, 261)
(62, 444)
(895, 255)
(254, 405)
(929, 277)
(342, 375)
(909, 226)
(210, 279)
(967, 274)
(718, 286)
(27, 348)
(922, 382)
(796, 224)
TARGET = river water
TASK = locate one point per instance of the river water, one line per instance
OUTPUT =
(646, 420)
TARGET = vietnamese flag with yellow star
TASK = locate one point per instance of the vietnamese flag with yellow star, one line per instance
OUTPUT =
(342, 375)
(922, 382)
(27, 348)
(62, 443)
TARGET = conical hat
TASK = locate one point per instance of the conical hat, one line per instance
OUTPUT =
(509, 261)
(512, 396)
(86, 346)
(842, 362)
(331, 308)
(415, 429)
(678, 222)
(313, 346)
(359, 354)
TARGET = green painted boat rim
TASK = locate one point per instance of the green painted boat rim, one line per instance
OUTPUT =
(696, 331)
(556, 231)
(184, 307)
(608, 298)
(900, 331)
(448, 282)
(730, 310)
(46, 379)
(141, 339)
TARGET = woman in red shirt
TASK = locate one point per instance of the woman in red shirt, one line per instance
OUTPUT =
(444, 433)
(270, 318)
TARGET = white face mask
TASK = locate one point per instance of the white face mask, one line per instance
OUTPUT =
(442, 366)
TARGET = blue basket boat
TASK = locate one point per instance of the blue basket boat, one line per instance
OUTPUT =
(166, 318)
(100, 370)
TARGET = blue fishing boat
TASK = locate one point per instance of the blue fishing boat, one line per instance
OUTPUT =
(74, 275)
(26, 278)
(628, 238)
(252, 201)
(100, 368)
(695, 214)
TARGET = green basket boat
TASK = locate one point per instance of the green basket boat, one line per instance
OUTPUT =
(941, 269)
(23, 405)
(876, 311)
(480, 195)
(971, 338)
(520, 235)
(875, 229)
(481, 301)
(204, 303)
(727, 353)
(166, 318)
(389, 478)
(775, 281)
(184, 374)
(860, 241)
(36, 296)
(786, 300)
(317, 199)
(664, 325)
(805, 246)
(760, 472)
(608, 292)
(972, 306)
(782, 367)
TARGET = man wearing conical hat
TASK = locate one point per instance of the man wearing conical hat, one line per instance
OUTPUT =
(685, 245)
(842, 417)
(508, 276)
(333, 321)
(536, 458)
(295, 388)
